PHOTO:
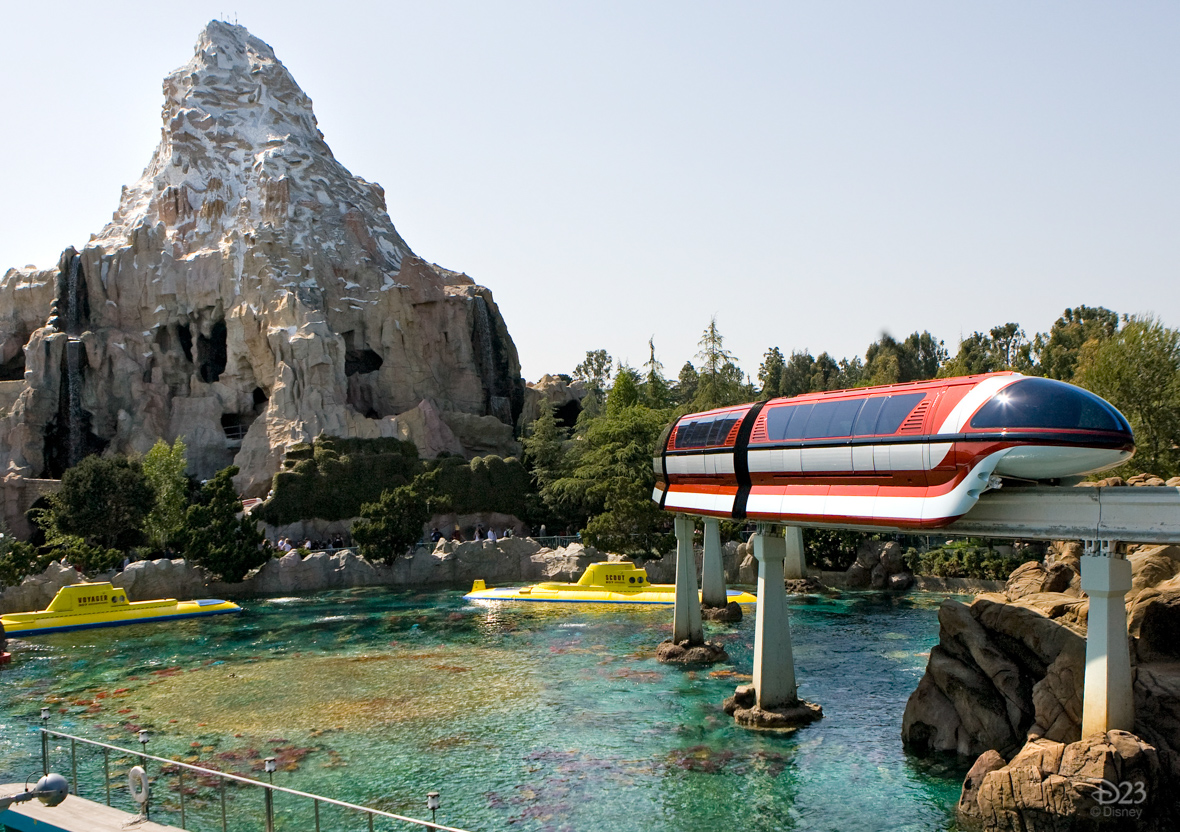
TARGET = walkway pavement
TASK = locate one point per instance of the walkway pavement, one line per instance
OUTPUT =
(75, 814)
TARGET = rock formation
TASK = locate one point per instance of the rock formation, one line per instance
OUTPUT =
(248, 293)
(1010, 668)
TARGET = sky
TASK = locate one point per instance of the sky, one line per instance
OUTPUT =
(811, 174)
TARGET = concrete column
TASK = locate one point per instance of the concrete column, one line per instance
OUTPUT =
(1108, 702)
(686, 617)
(794, 566)
(774, 660)
(713, 569)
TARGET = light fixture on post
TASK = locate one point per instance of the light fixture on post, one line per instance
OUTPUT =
(143, 741)
(44, 741)
(269, 765)
(432, 803)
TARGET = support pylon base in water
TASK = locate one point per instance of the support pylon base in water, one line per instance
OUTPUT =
(669, 652)
(744, 708)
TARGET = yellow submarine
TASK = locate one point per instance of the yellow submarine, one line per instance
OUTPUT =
(82, 606)
(602, 583)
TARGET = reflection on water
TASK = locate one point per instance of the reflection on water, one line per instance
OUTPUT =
(543, 717)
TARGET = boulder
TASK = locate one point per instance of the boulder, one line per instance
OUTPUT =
(35, 592)
(147, 580)
(1025, 580)
(1110, 781)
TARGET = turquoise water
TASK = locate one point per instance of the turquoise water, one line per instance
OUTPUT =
(529, 716)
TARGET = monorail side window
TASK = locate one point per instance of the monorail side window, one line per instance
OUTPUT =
(832, 418)
(894, 411)
(866, 422)
(722, 425)
(787, 422)
(1044, 403)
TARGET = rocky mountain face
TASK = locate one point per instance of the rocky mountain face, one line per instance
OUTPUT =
(248, 293)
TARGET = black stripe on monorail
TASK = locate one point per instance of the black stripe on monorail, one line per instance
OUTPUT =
(741, 461)
(1094, 440)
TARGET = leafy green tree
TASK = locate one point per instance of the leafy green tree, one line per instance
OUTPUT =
(19, 559)
(770, 374)
(1058, 350)
(797, 373)
(164, 469)
(918, 357)
(608, 487)
(217, 535)
(1138, 371)
(594, 371)
(1005, 347)
(393, 524)
(103, 500)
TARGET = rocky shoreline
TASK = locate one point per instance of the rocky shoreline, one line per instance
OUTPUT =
(511, 560)
(1004, 685)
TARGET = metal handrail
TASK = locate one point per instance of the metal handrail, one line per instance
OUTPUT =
(317, 799)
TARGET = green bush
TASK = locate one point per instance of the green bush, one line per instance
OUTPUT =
(215, 537)
(332, 478)
(19, 559)
(391, 525)
(964, 559)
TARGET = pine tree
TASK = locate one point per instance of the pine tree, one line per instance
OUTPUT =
(215, 537)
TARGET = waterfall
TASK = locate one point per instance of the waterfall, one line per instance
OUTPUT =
(485, 359)
(73, 304)
(75, 436)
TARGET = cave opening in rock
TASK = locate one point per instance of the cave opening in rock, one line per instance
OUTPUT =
(235, 425)
(260, 399)
(184, 335)
(361, 361)
(14, 368)
(567, 414)
(211, 353)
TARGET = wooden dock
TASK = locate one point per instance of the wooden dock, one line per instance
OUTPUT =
(75, 814)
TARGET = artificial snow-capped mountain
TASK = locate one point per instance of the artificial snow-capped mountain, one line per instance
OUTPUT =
(248, 293)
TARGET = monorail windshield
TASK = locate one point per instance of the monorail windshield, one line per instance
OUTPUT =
(1044, 403)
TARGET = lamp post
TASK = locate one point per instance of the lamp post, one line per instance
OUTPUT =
(269, 765)
(143, 741)
(432, 803)
(44, 741)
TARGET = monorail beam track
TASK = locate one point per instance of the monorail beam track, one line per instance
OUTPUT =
(1134, 514)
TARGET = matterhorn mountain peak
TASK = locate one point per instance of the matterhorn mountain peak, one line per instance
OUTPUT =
(248, 293)
(240, 149)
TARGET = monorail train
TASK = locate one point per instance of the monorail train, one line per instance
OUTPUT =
(908, 456)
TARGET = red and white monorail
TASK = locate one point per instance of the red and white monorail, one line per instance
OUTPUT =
(912, 455)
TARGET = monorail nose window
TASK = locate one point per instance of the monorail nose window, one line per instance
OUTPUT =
(1045, 403)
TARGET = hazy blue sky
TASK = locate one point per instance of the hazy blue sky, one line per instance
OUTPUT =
(812, 174)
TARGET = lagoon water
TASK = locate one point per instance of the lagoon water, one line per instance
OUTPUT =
(529, 716)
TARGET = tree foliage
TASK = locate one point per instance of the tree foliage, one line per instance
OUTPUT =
(1138, 371)
(394, 523)
(103, 501)
(164, 469)
(1058, 350)
(217, 536)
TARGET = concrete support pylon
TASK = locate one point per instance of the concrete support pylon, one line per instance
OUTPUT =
(712, 568)
(774, 658)
(794, 565)
(686, 617)
(1108, 701)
